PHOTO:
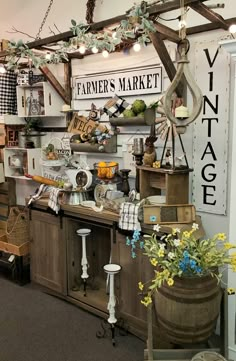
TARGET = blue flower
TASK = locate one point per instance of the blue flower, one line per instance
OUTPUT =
(133, 255)
(192, 264)
(128, 242)
(186, 254)
(136, 235)
(182, 266)
(198, 269)
(141, 244)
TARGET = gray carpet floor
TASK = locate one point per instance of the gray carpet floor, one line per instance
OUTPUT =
(35, 326)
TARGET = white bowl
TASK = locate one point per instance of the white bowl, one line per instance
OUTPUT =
(156, 199)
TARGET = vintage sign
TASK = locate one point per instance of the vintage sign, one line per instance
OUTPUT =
(210, 139)
(80, 124)
(135, 81)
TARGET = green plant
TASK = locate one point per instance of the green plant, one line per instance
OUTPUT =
(181, 254)
(31, 124)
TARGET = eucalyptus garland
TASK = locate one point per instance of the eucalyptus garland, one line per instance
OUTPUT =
(136, 27)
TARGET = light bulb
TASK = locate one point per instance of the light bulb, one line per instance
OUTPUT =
(105, 53)
(2, 69)
(136, 47)
(94, 49)
(232, 29)
(182, 24)
(48, 56)
(82, 49)
(114, 35)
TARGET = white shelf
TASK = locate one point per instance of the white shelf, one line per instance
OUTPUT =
(38, 100)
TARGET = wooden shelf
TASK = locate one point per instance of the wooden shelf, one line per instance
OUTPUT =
(110, 147)
(121, 121)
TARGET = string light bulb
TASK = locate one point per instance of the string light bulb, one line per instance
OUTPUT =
(232, 29)
(2, 69)
(94, 49)
(136, 47)
(82, 49)
(48, 56)
(105, 54)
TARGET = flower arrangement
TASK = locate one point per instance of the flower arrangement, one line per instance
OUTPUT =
(180, 254)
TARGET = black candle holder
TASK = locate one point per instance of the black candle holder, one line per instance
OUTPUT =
(138, 161)
(125, 182)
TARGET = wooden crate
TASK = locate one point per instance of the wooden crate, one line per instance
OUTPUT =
(166, 214)
(21, 250)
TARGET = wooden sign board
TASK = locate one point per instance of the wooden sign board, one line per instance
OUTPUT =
(166, 214)
(12, 136)
(80, 124)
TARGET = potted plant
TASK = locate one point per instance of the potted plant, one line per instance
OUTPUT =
(30, 136)
(186, 285)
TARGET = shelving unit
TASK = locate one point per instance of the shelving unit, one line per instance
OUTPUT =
(30, 162)
(156, 181)
(38, 100)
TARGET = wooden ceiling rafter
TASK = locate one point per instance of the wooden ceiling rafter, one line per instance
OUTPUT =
(209, 14)
(163, 32)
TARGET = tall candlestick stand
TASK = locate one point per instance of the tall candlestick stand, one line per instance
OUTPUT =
(138, 161)
(84, 232)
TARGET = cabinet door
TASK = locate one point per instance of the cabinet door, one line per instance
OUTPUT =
(48, 251)
(33, 161)
(52, 101)
(132, 271)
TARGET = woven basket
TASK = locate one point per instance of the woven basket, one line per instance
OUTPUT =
(17, 231)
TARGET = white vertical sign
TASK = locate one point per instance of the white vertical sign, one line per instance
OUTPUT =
(210, 142)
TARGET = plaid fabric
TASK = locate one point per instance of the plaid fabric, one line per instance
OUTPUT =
(38, 194)
(129, 217)
(115, 106)
(53, 199)
(8, 84)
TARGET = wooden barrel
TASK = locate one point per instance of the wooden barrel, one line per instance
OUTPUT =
(187, 311)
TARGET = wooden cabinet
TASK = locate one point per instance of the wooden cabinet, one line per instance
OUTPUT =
(174, 184)
(40, 99)
(18, 161)
(48, 251)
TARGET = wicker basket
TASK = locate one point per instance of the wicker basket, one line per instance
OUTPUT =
(17, 231)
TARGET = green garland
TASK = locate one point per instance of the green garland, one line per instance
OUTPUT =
(136, 26)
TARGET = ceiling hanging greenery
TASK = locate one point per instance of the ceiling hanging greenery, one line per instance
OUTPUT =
(136, 27)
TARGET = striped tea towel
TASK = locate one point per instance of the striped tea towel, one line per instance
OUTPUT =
(129, 216)
(38, 193)
(53, 202)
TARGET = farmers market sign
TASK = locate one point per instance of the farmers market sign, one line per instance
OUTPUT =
(134, 81)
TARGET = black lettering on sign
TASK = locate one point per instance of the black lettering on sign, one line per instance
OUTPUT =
(211, 151)
(209, 177)
(207, 100)
(209, 124)
(211, 63)
(207, 194)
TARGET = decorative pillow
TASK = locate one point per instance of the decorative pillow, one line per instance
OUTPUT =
(115, 106)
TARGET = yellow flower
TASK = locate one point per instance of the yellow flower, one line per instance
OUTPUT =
(140, 285)
(186, 234)
(234, 268)
(228, 245)
(153, 261)
(146, 301)
(231, 291)
(170, 281)
(166, 273)
(160, 253)
(221, 236)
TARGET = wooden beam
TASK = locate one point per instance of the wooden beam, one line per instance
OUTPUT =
(165, 58)
(153, 10)
(55, 83)
(169, 33)
(67, 78)
(209, 14)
